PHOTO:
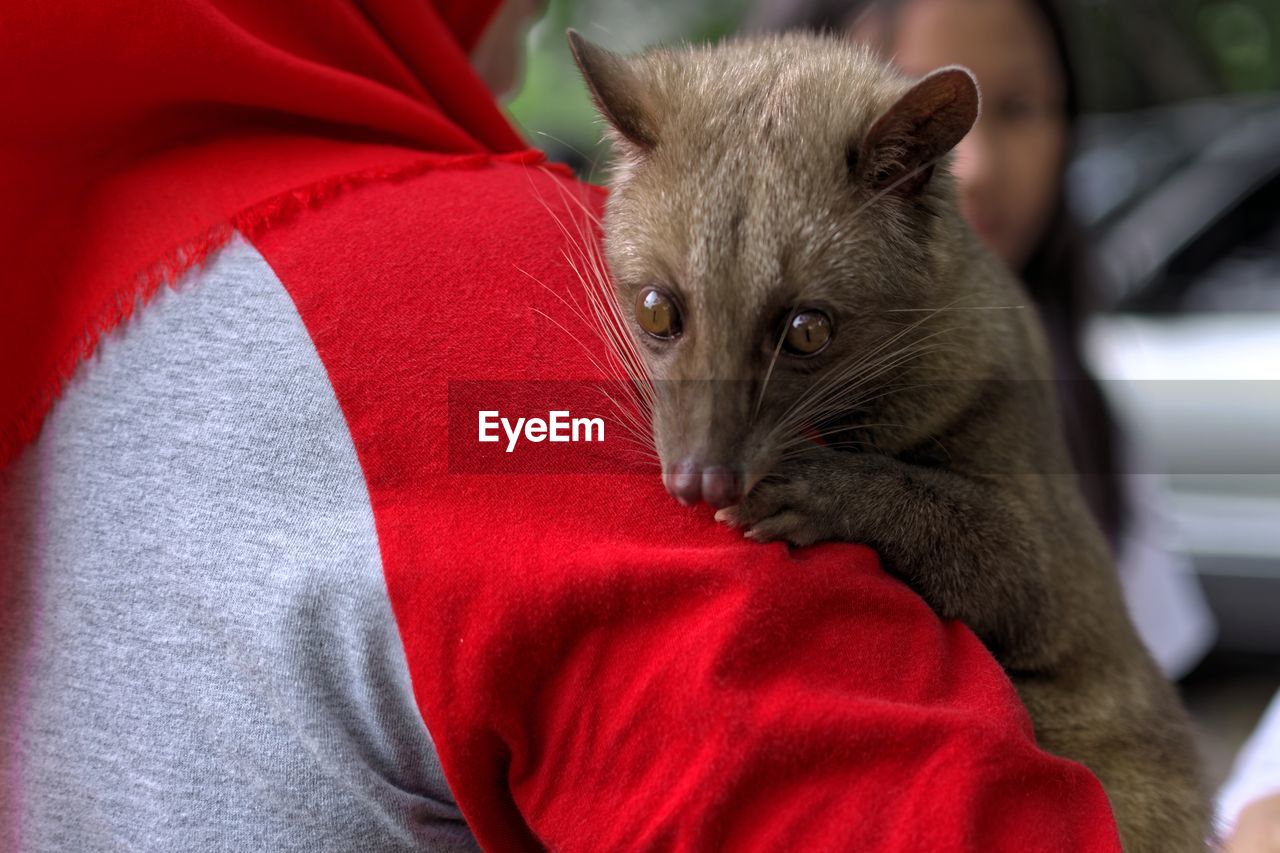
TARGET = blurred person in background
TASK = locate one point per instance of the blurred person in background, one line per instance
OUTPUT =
(1010, 171)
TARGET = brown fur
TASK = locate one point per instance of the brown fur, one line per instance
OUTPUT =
(760, 175)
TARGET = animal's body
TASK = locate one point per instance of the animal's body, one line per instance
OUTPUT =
(785, 244)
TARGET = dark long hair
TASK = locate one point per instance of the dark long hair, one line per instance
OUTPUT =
(1057, 276)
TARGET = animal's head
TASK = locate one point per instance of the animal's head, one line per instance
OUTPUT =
(780, 232)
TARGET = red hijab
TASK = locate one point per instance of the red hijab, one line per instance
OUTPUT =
(137, 135)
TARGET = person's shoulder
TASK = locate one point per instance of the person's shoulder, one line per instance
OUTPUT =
(501, 186)
(464, 217)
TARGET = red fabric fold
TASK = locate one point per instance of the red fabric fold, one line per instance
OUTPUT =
(133, 132)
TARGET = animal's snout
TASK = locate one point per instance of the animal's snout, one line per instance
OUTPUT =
(690, 481)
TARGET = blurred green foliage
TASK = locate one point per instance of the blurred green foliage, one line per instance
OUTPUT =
(553, 107)
(1137, 53)
(1129, 54)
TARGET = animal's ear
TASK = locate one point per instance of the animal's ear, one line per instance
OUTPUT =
(899, 152)
(617, 90)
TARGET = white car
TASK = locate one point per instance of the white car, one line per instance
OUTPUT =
(1189, 354)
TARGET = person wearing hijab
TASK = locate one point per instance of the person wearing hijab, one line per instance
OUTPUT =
(264, 588)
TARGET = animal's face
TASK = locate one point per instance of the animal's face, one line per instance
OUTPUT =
(770, 236)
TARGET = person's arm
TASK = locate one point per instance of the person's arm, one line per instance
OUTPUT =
(600, 668)
(1249, 802)
(788, 702)
(1257, 829)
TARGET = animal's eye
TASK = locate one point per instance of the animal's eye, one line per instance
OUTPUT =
(657, 313)
(808, 333)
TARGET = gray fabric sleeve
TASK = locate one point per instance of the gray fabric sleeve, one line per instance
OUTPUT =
(203, 656)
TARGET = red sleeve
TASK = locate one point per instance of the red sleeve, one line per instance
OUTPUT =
(601, 669)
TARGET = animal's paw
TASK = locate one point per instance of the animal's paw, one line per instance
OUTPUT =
(792, 504)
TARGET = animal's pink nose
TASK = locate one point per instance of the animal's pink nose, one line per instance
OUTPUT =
(720, 486)
(689, 482)
(684, 482)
